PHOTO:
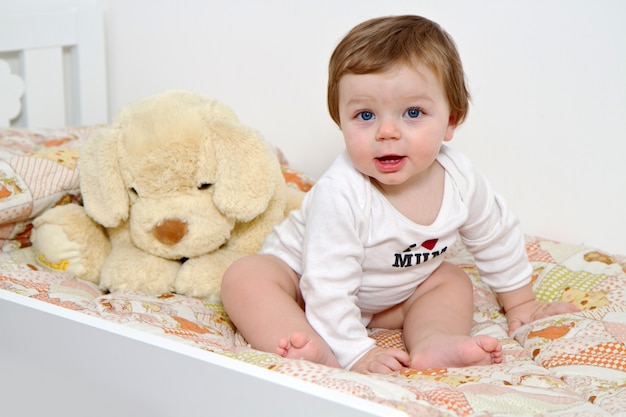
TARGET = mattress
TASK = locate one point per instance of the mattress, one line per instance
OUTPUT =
(573, 364)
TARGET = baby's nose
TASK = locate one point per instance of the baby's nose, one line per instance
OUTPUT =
(388, 129)
(170, 231)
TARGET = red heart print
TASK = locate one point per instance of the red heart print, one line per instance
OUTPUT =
(430, 244)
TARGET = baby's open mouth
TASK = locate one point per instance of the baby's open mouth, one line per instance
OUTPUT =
(389, 163)
(390, 159)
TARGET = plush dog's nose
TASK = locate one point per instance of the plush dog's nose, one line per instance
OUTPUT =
(170, 231)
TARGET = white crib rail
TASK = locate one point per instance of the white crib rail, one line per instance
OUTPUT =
(60, 57)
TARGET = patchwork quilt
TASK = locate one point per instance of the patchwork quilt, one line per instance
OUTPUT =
(566, 365)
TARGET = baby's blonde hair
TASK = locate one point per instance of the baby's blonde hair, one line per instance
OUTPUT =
(381, 43)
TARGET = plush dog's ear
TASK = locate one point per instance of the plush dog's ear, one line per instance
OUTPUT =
(246, 170)
(104, 194)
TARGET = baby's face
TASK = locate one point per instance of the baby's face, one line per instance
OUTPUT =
(394, 122)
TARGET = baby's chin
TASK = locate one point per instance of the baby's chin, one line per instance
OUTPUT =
(386, 181)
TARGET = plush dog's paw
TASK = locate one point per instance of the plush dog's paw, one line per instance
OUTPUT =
(65, 239)
(139, 273)
(202, 277)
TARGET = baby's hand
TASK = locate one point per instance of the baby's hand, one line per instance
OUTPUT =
(382, 361)
(534, 310)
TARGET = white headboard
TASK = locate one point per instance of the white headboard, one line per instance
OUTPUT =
(52, 66)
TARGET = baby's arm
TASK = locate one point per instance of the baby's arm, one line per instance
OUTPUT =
(382, 361)
(521, 307)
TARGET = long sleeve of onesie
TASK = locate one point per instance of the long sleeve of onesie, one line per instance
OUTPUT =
(332, 272)
(491, 232)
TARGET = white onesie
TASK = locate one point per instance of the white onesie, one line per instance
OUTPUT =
(357, 255)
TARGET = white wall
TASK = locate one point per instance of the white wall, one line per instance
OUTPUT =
(548, 79)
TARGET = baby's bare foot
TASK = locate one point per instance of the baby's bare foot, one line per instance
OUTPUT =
(458, 351)
(301, 346)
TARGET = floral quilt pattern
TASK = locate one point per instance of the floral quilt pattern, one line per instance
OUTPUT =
(38, 170)
(566, 365)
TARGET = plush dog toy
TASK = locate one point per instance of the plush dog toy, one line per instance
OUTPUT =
(173, 192)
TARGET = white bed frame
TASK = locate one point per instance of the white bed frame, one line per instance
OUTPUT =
(68, 43)
(52, 353)
(47, 351)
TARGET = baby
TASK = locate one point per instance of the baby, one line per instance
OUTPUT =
(366, 248)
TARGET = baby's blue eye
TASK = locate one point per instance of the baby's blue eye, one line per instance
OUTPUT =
(366, 115)
(413, 113)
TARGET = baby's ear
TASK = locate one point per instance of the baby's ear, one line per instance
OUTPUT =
(102, 187)
(452, 125)
(246, 170)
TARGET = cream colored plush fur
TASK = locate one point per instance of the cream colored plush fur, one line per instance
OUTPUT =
(182, 190)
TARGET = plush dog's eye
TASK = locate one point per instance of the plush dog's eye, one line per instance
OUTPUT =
(133, 191)
(204, 186)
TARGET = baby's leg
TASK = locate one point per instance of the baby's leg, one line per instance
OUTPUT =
(438, 320)
(262, 297)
